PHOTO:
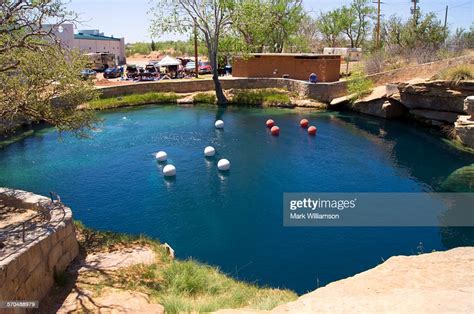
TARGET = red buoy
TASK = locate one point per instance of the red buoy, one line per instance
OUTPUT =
(270, 123)
(275, 131)
(312, 130)
(304, 123)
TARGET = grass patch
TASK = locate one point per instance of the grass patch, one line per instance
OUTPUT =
(189, 286)
(133, 100)
(457, 74)
(204, 98)
(180, 286)
(359, 85)
(261, 97)
(91, 240)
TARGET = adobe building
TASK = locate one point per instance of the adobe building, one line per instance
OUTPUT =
(293, 66)
(89, 41)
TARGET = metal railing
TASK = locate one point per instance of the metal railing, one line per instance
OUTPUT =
(41, 220)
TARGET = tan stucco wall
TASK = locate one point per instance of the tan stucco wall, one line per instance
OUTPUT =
(111, 46)
(297, 67)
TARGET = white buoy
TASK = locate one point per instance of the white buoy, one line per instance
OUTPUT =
(169, 171)
(219, 124)
(209, 151)
(223, 165)
(161, 156)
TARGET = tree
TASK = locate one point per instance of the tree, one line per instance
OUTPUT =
(253, 21)
(356, 21)
(330, 27)
(39, 80)
(308, 34)
(286, 20)
(429, 32)
(211, 17)
(267, 23)
(153, 45)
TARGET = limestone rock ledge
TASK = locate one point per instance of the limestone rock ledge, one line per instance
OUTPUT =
(464, 126)
(436, 95)
(380, 103)
(438, 282)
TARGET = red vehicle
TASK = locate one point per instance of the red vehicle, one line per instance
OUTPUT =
(205, 67)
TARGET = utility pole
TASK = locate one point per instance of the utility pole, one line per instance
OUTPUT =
(378, 23)
(446, 23)
(196, 57)
(415, 18)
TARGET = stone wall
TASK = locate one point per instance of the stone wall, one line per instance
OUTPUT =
(27, 268)
(425, 71)
(324, 92)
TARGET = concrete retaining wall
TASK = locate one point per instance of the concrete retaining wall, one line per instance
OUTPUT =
(27, 271)
(324, 92)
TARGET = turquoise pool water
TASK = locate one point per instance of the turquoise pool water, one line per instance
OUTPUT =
(234, 221)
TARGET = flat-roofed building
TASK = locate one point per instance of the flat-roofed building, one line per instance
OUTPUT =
(293, 66)
(99, 43)
(91, 41)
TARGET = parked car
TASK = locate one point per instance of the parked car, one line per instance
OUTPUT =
(152, 70)
(112, 73)
(190, 67)
(205, 67)
(87, 74)
(132, 71)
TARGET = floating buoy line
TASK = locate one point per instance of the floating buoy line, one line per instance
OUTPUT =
(224, 164)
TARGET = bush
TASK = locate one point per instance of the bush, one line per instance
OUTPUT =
(457, 74)
(375, 62)
(359, 85)
(261, 97)
(203, 98)
(133, 100)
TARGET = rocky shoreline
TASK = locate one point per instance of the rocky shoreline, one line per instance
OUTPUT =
(439, 104)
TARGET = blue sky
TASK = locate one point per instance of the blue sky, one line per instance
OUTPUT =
(129, 18)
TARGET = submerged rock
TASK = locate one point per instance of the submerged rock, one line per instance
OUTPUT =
(461, 180)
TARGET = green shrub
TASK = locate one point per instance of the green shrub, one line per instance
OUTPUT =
(457, 74)
(261, 97)
(359, 85)
(204, 98)
(133, 100)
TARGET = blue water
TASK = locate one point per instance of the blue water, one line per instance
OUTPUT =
(234, 221)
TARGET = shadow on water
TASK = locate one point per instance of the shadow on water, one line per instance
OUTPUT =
(221, 110)
(439, 160)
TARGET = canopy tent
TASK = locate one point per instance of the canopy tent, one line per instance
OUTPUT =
(168, 61)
